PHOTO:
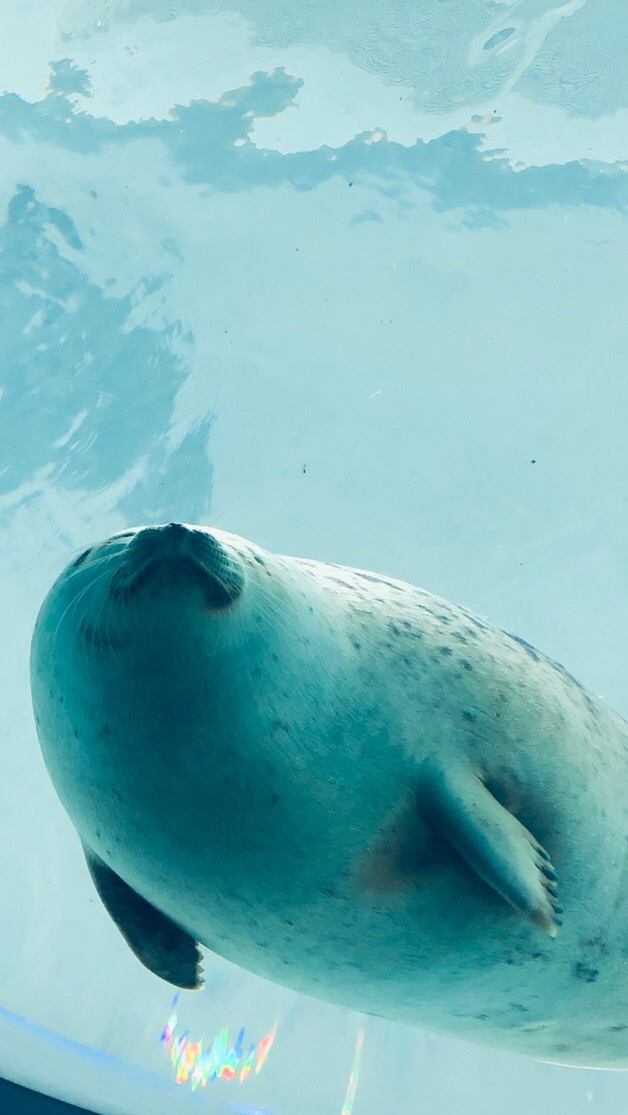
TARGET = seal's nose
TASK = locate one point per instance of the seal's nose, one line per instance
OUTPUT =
(169, 538)
(175, 536)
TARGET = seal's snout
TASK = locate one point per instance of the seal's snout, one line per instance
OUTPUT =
(180, 554)
(174, 539)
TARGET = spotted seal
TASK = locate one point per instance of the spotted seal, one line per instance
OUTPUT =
(342, 783)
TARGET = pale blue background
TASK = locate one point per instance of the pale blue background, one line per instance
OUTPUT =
(349, 279)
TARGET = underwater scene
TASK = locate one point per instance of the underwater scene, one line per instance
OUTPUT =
(314, 557)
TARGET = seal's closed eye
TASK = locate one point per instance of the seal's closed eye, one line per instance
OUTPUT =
(81, 558)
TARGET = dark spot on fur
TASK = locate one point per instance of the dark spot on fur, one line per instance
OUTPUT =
(274, 800)
(258, 559)
(355, 643)
(584, 972)
(330, 892)
(393, 627)
(589, 942)
(406, 623)
(459, 636)
(255, 672)
(561, 1047)
(280, 726)
(469, 716)
(445, 651)
(466, 665)
(526, 646)
(618, 1028)
(444, 618)
(474, 620)
(594, 944)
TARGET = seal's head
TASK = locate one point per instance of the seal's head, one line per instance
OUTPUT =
(151, 623)
(148, 647)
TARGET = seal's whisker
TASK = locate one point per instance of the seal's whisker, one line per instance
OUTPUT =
(75, 602)
(108, 559)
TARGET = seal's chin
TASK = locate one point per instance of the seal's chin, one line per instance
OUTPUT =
(178, 555)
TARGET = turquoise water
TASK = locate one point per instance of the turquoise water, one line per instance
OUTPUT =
(348, 280)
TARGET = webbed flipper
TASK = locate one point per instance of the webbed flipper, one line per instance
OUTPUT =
(494, 844)
(163, 948)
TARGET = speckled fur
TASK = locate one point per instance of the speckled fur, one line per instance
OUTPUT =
(259, 774)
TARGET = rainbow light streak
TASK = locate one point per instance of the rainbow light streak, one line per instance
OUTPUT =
(352, 1086)
(196, 1063)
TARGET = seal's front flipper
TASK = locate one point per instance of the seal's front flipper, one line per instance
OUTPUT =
(162, 947)
(494, 843)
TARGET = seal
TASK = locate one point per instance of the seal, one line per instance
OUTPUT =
(341, 783)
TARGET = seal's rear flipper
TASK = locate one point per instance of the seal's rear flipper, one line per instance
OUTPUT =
(162, 947)
(494, 843)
